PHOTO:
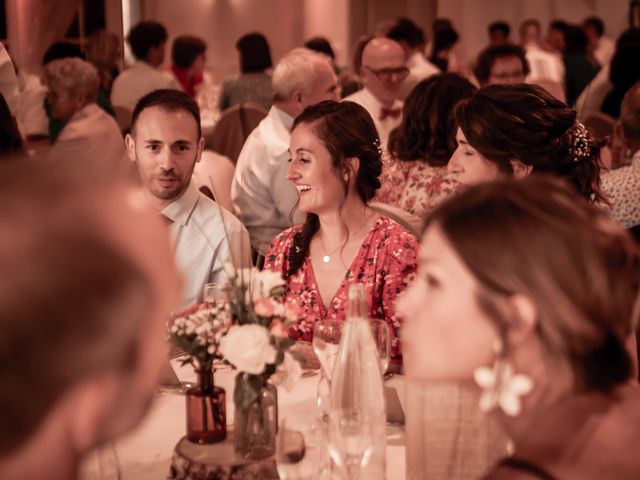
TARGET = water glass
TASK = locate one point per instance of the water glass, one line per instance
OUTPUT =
(326, 341)
(350, 440)
(301, 449)
(215, 293)
(382, 336)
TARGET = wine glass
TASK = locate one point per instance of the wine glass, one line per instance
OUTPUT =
(300, 449)
(350, 440)
(215, 293)
(326, 341)
(382, 337)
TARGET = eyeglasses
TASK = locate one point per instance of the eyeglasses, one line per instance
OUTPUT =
(387, 74)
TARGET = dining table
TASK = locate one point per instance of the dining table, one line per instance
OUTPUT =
(146, 452)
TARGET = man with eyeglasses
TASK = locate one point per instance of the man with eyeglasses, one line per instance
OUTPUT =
(383, 70)
(501, 64)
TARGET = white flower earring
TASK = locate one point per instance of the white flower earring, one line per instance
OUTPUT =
(501, 386)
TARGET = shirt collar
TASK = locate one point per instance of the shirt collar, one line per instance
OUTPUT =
(180, 210)
(282, 117)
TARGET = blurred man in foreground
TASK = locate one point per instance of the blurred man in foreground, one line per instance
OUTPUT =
(86, 285)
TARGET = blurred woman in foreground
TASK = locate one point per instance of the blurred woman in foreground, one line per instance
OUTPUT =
(531, 293)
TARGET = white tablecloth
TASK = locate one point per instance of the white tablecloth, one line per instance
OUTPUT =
(145, 454)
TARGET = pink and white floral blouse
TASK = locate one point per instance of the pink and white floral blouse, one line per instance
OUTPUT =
(414, 186)
(385, 264)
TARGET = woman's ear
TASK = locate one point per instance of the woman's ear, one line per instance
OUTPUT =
(520, 170)
(526, 318)
(351, 167)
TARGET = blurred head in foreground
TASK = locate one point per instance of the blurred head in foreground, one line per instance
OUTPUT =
(86, 286)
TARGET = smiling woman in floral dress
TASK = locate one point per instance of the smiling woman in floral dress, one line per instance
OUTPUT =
(335, 165)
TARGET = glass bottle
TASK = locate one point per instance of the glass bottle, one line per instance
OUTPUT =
(256, 425)
(357, 414)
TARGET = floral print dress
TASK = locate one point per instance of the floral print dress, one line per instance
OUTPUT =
(386, 262)
(414, 186)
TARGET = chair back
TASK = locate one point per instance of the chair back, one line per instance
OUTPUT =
(232, 129)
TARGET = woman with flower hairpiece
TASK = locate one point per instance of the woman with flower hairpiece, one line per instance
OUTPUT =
(335, 165)
(515, 130)
(544, 330)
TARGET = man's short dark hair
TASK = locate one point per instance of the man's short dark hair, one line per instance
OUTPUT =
(499, 26)
(185, 49)
(321, 45)
(559, 25)
(144, 36)
(61, 50)
(170, 100)
(596, 23)
(255, 54)
(489, 55)
(405, 30)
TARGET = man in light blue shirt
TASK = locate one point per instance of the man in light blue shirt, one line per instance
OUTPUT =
(165, 143)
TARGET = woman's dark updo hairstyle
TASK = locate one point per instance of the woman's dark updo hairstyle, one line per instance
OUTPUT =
(428, 129)
(346, 130)
(526, 123)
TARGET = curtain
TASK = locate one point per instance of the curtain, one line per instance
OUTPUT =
(33, 25)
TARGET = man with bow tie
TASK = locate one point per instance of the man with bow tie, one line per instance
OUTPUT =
(383, 71)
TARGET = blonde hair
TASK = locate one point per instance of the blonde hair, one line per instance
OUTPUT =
(296, 71)
(77, 77)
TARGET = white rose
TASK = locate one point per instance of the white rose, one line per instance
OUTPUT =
(248, 348)
(287, 373)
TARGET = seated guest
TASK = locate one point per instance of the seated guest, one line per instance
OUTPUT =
(545, 337)
(10, 138)
(601, 47)
(253, 85)
(545, 66)
(622, 186)
(499, 32)
(89, 132)
(86, 286)
(335, 165)
(414, 176)
(412, 40)
(501, 64)
(165, 143)
(187, 58)
(515, 130)
(624, 71)
(147, 41)
(382, 71)
(579, 67)
(261, 195)
(444, 40)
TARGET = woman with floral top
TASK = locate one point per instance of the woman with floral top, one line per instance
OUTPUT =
(414, 176)
(335, 165)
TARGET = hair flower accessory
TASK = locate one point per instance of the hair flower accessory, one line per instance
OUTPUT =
(502, 388)
(378, 145)
(580, 144)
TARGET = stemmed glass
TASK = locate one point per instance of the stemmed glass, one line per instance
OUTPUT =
(301, 449)
(350, 440)
(326, 341)
(382, 337)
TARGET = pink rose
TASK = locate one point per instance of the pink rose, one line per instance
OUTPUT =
(278, 329)
(292, 312)
(264, 307)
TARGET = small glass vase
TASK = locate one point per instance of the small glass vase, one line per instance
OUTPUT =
(256, 426)
(206, 409)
